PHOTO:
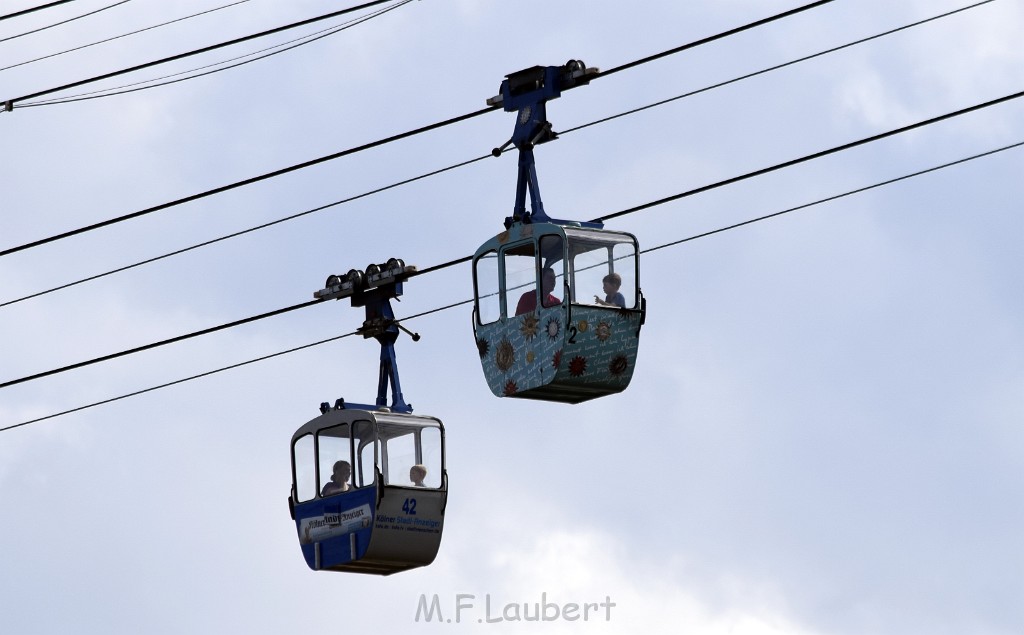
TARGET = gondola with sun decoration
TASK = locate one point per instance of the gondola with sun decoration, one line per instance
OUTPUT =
(558, 306)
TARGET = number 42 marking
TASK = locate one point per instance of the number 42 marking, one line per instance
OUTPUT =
(409, 506)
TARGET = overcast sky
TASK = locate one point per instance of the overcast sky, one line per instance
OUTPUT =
(824, 431)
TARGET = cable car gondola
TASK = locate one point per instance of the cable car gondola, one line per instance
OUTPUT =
(558, 306)
(369, 484)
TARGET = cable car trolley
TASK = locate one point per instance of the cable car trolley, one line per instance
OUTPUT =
(558, 306)
(369, 486)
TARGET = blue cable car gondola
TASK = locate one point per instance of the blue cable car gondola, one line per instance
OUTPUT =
(558, 306)
(369, 484)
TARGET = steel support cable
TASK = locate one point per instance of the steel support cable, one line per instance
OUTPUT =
(249, 230)
(176, 382)
(254, 56)
(79, 17)
(249, 181)
(465, 302)
(11, 102)
(631, 210)
(464, 163)
(776, 67)
(33, 9)
(123, 35)
(815, 155)
(172, 340)
(712, 38)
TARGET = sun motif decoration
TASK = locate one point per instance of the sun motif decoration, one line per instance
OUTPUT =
(530, 356)
(511, 388)
(618, 365)
(554, 328)
(482, 346)
(603, 331)
(528, 326)
(505, 356)
(582, 326)
(577, 366)
(556, 361)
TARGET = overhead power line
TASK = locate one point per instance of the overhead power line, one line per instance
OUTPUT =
(10, 103)
(33, 9)
(465, 302)
(718, 184)
(816, 155)
(123, 35)
(78, 17)
(468, 162)
(336, 155)
(249, 230)
(223, 64)
(249, 181)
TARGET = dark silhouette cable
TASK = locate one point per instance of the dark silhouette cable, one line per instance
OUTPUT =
(464, 302)
(10, 103)
(250, 230)
(254, 57)
(79, 17)
(564, 132)
(176, 382)
(171, 340)
(249, 181)
(775, 67)
(631, 210)
(33, 9)
(123, 35)
(816, 155)
(719, 36)
(322, 159)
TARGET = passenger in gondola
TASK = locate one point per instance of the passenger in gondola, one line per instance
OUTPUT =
(528, 301)
(339, 480)
(416, 474)
(612, 297)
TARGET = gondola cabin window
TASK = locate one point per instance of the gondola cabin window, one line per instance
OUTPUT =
(594, 257)
(520, 282)
(366, 452)
(488, 300)
(304, 455)
(411, 456)
(334, 445)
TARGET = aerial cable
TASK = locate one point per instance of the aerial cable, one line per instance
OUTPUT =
(84, 15)
(171, 340)
(123, 35)
(631, 210)
(772, 68)
(465, 302)
(254, 56)
(816, 155)
(464, 163)
(178, 381)
(300, 166)
(719, 36)
(835, 197)
(249, 181)
(249, 230)
(10, 103)
(33, 9)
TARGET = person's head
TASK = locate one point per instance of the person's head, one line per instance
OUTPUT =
(547, 279)
(417, 473)
(342, 470)
(612, 282)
